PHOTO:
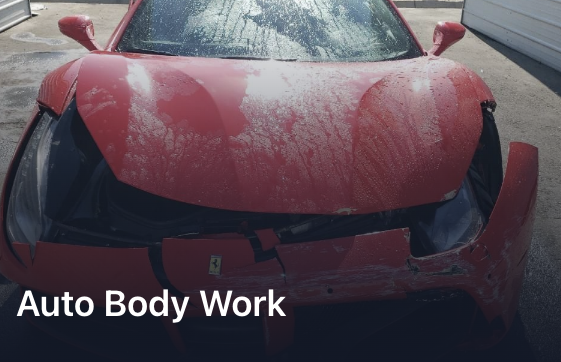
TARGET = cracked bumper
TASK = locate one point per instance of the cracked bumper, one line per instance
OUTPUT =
(368, 267)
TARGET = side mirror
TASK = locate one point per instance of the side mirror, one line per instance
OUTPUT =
(445, 35)
(79, 28)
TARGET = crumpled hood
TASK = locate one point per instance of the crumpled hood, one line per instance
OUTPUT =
(288, 137)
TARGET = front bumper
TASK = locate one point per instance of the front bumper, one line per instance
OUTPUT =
(368, 267)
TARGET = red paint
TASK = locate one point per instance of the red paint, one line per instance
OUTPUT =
(290, 138)
(268, 238)
(24, 253)
(445, 35)
(368, 267)
(187, 263)
(192, 274)
(266, 137)
(83, 271)
(483, 92)
(57, 89)
(347, 269)
(79, 28)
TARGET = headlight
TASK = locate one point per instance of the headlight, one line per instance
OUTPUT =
(26, 220)
(453, 223)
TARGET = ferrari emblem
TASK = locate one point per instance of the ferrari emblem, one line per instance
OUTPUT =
(215, 265)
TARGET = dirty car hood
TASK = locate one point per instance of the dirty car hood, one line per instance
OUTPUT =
(287, 137)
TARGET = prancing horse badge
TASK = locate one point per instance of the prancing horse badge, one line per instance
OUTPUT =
(215, 265)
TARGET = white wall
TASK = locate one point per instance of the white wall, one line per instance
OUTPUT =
(532, 27)
(13, 12)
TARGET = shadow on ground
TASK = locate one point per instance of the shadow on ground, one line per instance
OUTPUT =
(545, 74)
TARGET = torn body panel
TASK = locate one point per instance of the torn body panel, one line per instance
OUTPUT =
(366, 267)
(363, 267)
(489, 269)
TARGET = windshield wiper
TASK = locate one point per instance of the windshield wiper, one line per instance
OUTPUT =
(249, 57)
(147, 51)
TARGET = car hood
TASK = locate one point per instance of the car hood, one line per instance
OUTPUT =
(287, 137)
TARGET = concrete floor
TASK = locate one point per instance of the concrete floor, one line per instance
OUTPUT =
(527, 92)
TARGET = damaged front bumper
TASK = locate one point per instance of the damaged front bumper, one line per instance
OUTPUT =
(376, 266)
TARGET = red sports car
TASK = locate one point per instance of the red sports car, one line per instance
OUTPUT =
(310, 150)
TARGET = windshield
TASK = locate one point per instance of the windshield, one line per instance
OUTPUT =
(304, 30)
